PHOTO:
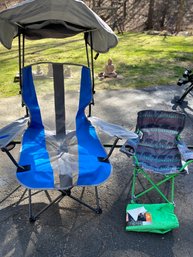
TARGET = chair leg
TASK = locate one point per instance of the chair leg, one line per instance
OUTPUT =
(12, 192)
(82, 193)
(133, 185)
(172, 189)
(48, 196)
(33, 217)
(97, 210)
(22, 198)
(30, 206)
(143, 188)
(155, 186)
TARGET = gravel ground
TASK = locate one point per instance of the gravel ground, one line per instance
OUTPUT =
(68, 229)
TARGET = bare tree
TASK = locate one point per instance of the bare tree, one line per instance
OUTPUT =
(164, 12)
(180, 15)
(172, 15)
(150, 14)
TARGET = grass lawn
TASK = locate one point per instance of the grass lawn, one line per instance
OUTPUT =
(142, 60)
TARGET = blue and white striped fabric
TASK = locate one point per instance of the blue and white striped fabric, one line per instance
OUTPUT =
(44, 173)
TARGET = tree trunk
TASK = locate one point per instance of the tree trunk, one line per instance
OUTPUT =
(165, 8)
(180, 15)
(149, 22)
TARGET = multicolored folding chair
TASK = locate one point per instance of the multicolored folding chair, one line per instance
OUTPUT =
(157, 150)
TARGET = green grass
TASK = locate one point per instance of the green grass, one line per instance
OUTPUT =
(142, 60)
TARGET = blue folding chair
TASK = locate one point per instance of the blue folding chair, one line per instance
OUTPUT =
(60, 148)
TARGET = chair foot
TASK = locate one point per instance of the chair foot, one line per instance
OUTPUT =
(133, 199)
(99, 211)
(66, 192)
(32, 219)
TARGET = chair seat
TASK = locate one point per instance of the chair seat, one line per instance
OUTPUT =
(63, 165)
(164, 161)
(157, 150)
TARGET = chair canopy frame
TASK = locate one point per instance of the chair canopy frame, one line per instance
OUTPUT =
(89, 59)
(38, 19)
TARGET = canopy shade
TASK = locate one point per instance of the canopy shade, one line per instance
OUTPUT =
(55, 19)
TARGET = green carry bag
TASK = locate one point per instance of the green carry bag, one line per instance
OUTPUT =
(153, 218)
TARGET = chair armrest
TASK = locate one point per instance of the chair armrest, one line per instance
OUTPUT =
(112, 130)
(186, 153)
(12, 130)
(106, 159)
(130, 146)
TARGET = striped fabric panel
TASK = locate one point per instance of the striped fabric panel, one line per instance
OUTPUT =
(159, 160)
(157, 150)
(161, 119)
(158, 138)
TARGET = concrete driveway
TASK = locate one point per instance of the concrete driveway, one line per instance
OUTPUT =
(70, 230)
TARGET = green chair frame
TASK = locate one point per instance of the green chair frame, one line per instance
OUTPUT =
(130, 148)
(155, 186)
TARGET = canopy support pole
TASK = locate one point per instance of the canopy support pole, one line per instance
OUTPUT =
(21, 49)
(88, 63)
(92, 65)
(86, 46)
(20, 61)
(21, 46)
(92, 71)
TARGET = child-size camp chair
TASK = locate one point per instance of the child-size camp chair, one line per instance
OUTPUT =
(157, 150)
(60, 148)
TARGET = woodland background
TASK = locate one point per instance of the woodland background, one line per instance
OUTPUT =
(171, 16)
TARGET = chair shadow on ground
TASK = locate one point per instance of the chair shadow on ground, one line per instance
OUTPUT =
(68, 229)
(185, 107)
(181, 106)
